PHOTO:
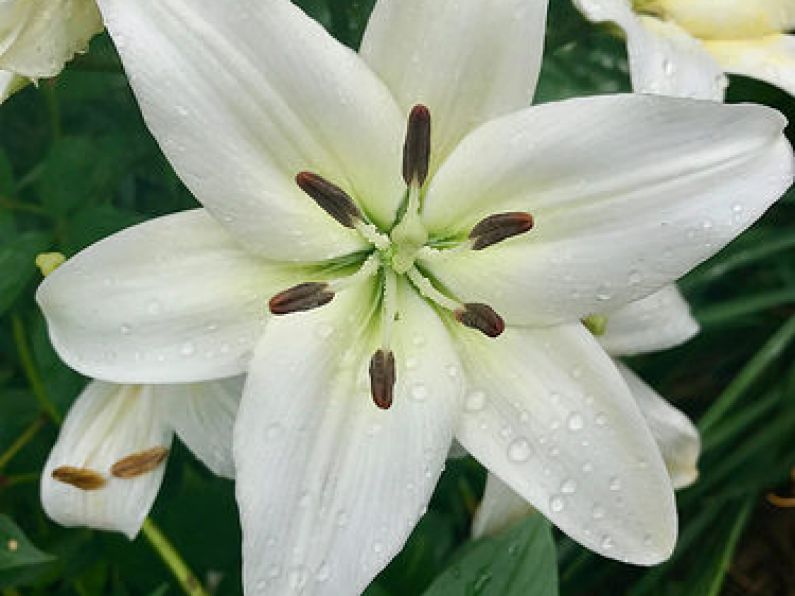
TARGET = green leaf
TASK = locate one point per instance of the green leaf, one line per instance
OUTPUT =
(17, 264)
(6, 175)
(519, 562)
(15, 548)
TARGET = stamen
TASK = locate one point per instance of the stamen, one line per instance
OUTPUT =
(382, 378)
(417, 148)
(368, 269)
(481, 317)
(428, 291)
(300, 298)
(331, 198)
(81, 478)
(497, 228)
(139, 463)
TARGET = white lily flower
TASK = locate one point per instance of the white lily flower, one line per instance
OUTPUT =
(106, 468)
(248, 98)
(37, 37)
(658, 322)
(683, 47)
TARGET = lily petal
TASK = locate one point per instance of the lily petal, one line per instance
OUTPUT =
(663, 58)
(171, 300)
(657, 322)
(628, 193)
(242, 98)
(203, 416)
(10, 83)
(675, 434)
(500, 509)
(106, 424)
(548, 413)
(770, 58)
(469, 61)
(329, 486)
(38, 36)
(730, 19)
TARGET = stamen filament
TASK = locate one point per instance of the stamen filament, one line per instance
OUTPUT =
(428, 291)
(388, 308)
(372, 234)
(368, 269)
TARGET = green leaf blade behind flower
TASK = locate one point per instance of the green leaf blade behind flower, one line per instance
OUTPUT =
(519, 562)
(15, 548)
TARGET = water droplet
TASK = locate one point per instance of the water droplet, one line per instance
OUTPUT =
(556, 504)
(575, 422)
(298, 576)
(569, 486)
(275, 571)
(607, 542)
(635, 278)
(419, 340)
(604, 293)
(323, 573)
(125, 329)
(187, 349)
(154, 307)
(576, 372)
(475, 402)
(601, 419)
(378, 548)
(419, 392)
(305, 500)
(598, 512)
(615, 483)
(587, 467)
(452, 371)
(519, 451)
(411, 363)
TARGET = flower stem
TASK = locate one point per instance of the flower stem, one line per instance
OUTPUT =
(21, 441)
(187, 580)
(29, 366)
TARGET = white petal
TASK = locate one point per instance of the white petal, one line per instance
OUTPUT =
(500, 509)
(105, 424)
(628, 193)
(770, 59)
(203, 416)
(676, 436)
(663, 58)
(329, 486)
(654, 323)
(38, 36)
(172, 300)
(243, 97)
(468, 61)
(10, 83)
(548, 413)
(730, 19)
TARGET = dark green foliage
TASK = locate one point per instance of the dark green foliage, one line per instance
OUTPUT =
(77, 164)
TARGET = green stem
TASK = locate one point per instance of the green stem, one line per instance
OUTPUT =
(187, 580)
(13, 205)
(16, 479)
(21, 441)
(29, 366)
(53, 109)
(749, 374)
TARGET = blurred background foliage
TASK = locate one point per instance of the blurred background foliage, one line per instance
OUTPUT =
(77, 164)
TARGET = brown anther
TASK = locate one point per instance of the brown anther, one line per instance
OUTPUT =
(81, 478)
(499, 227)
(330, 197)
(382, 378)
(481, 317)
(303, 297)
(139, 463)
(417, 148)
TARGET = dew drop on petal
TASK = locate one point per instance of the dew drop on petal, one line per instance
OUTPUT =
(556, 504)
(187, 349)
(519, 451)
(615, 483)
(569, 486)
(575, 422)
(597, 511)
(419, 392)
(475, 402)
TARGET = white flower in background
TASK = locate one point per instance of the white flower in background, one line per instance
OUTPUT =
(658, 322)
(295, 146)
(37, 37)
(106, 468)
(683, 47)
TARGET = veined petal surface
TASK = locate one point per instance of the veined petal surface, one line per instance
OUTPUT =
(172, 300)
(469, 61)
(548, 413)
(663, 58)
(203, 416)
(628, 193)
(10, 83)
(676, 436)
(242, 98)
(106, 424)
(329, 486)
(38, 36)
(770, 59)
(651, 324)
